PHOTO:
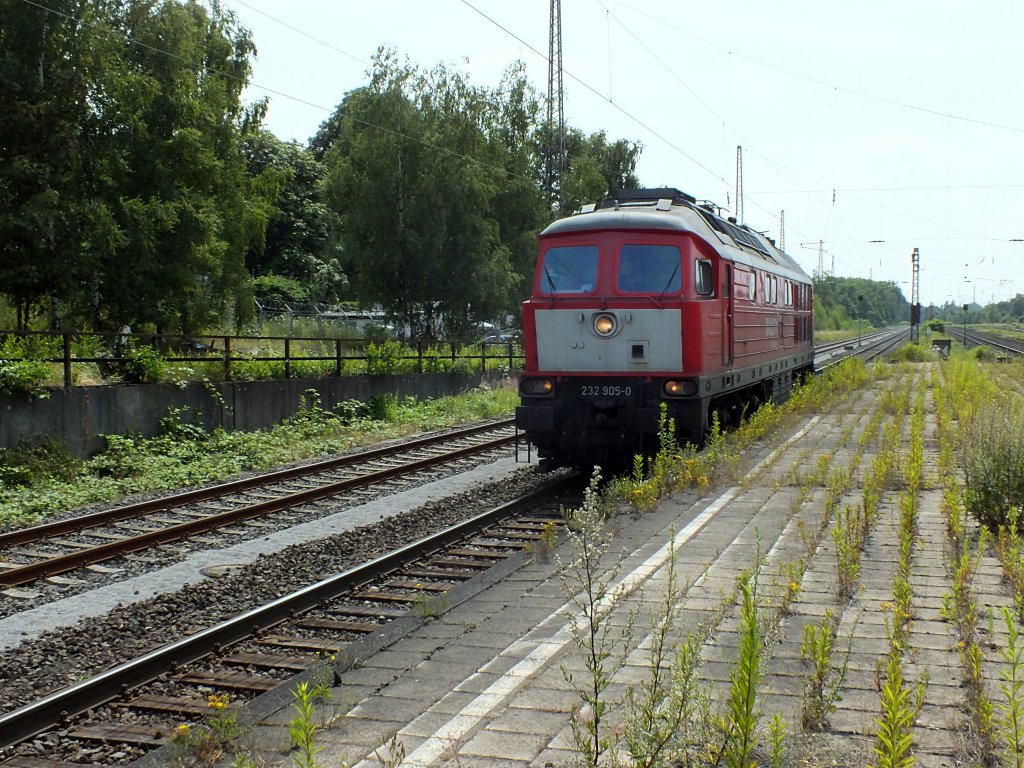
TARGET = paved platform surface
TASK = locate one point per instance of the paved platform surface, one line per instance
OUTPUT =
(485, 684)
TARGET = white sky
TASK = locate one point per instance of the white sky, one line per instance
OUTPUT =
(911, 111)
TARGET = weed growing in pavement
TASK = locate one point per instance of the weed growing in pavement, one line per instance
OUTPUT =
(588, 579)
(893, 734)
(789, 575)
(1011, 557)
(742, 718)
(542, 548)
(391, 752)
(206, 744)
(958, 606)
(979, 705)
(302, 728)
(836, 485)
(671, 468)
(901, 612)
(821, 683)
(1011, 709)
(666, 714)
(776, 740)
(822, 469)
(847, 534)
(428, 606)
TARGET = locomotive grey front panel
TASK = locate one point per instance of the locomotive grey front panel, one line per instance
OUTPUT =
(609, 340)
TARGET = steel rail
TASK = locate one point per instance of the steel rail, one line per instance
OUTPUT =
(166, 503)
(31, 719)
(993, 340)
(62, 563)
(880, 343)
(829, 346)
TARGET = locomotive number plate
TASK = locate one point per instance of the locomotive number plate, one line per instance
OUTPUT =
(605, 390)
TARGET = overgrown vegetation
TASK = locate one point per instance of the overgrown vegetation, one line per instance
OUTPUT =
(38, 482)
(27, 362)
(20, 367)
(993, 459)
(675, 467)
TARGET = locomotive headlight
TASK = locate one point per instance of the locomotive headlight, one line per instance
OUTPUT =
(604, 324)
(536, 387)
(680, 388)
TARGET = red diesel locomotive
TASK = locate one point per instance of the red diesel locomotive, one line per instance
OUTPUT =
(653, 298)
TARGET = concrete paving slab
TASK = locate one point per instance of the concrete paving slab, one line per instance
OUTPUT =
(521, 720)
(505, 745)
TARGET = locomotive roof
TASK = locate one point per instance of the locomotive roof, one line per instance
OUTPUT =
(674, 210)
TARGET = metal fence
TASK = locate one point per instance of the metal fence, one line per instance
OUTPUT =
(112, 352)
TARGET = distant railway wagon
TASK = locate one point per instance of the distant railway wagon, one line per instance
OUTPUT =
(648, 299)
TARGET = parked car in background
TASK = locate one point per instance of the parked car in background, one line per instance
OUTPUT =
(499, 338)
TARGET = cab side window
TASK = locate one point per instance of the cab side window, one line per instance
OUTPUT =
(703, 279)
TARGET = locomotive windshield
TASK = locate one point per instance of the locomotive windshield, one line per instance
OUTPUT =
(649, 269)
(569, 269)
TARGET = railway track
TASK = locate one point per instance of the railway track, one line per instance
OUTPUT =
(1002, 345)
(44, 551)
(138, 704)
(869, 347)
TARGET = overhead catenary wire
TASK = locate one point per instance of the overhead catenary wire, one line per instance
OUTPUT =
(822, 83)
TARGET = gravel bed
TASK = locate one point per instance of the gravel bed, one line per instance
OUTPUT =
(58, 658)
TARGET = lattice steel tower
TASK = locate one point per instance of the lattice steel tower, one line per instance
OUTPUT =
(915, 299)
(554, 160)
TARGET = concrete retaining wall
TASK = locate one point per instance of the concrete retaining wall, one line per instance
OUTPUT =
(78, 417)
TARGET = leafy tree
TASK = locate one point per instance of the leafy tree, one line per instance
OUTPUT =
(415, 175)
(842, 302)
(519, 207)
(51, 65)
(595, 168)
(183, 199)
(329, 130)
(124, 194)
(277, 288)
(297, 244)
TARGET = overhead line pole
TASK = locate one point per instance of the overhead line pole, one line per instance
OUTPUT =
(915, 298)
(739, 185)
(554, 161)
